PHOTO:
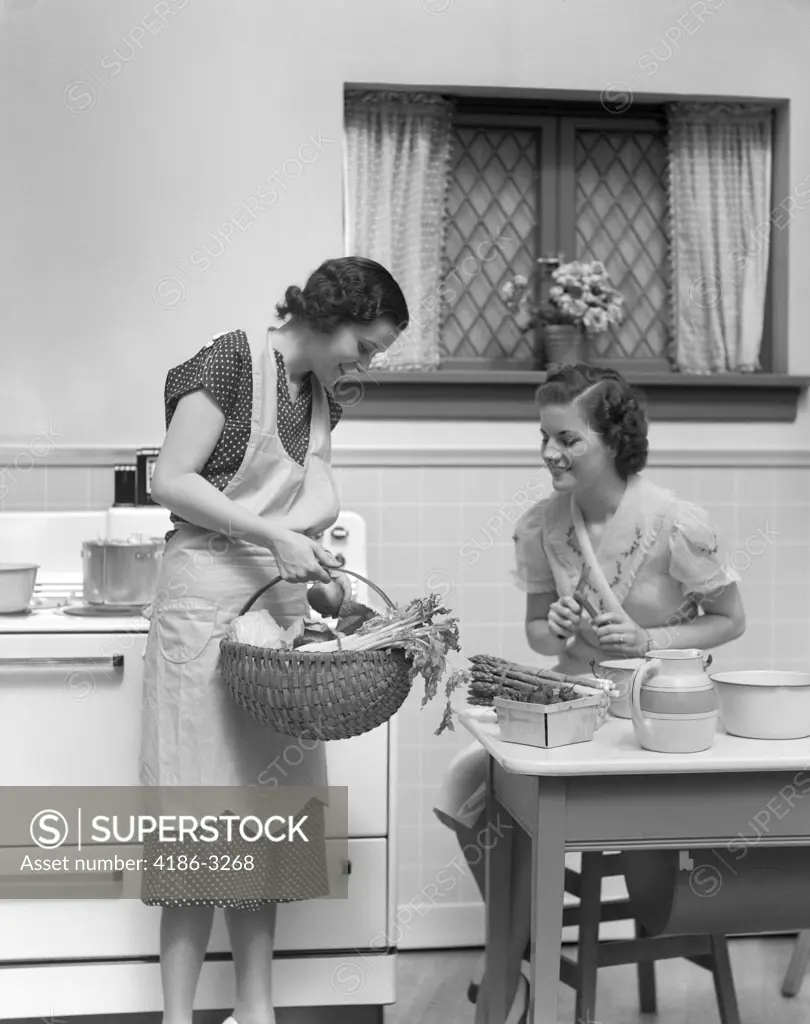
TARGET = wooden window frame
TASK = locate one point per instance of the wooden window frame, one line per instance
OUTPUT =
(547, 203)
(569, 126)
(462, 390)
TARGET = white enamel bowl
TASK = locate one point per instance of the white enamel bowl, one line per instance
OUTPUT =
(764, 705)
(17, 580)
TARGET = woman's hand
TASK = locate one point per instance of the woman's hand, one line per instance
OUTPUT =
(621, 634)
(300, 559)
(564, 617)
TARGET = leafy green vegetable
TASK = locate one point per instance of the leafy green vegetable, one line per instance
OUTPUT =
(426, 632)
(456, 679)
(353, 615)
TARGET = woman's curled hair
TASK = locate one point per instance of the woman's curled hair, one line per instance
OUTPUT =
(347, 290)
(612, 407)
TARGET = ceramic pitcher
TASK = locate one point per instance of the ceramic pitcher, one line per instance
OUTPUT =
(673, 702)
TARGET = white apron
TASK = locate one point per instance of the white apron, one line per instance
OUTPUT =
(193, 731)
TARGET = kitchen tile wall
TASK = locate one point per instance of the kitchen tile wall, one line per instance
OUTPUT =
(29, 486)
(449, 529)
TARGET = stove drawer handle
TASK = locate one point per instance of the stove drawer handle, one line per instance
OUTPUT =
(115, 661)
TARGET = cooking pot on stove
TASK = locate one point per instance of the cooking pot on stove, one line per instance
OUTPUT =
(121, 572)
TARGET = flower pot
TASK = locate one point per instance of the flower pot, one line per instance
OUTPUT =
(564, 344)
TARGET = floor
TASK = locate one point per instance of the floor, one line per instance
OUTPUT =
(433, 990)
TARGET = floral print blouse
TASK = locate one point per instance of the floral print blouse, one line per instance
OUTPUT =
(660, 556)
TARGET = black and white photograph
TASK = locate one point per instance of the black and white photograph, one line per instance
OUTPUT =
(405, 512)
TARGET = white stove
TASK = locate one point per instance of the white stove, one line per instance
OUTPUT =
(70, 707)
(53, 541)
(56, 620)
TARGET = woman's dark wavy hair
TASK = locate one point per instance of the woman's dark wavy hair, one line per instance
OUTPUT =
(347, 290)
(612, 407)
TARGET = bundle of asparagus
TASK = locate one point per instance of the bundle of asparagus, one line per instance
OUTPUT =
(495, 677)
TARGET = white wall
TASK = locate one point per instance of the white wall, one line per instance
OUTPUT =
(106, 186)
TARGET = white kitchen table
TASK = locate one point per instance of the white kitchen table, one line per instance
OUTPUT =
(610, 794)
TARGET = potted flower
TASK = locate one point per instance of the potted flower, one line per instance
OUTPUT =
(581, 301)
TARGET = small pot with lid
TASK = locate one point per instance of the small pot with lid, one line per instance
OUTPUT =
(121, 572)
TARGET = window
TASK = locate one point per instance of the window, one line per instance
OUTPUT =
(550, 177)
(588, 185)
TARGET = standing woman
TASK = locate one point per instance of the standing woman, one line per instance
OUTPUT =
(658, 580)
(245, 470)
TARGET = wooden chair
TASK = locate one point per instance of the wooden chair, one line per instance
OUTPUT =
(794, 976)
(707, 951)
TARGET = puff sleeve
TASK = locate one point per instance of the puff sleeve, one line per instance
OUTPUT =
(532, 572)
(219, 367)
(697, 561)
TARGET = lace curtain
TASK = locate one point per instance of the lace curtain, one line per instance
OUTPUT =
(720, 195)
(397, 158)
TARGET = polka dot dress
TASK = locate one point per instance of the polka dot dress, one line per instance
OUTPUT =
(240, 875)
(225, 369)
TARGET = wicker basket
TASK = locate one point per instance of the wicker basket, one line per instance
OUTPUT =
(317, 696)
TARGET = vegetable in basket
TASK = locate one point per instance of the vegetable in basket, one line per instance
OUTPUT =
(260, 629)
(352, 617)
(327, 599)
(420, 631)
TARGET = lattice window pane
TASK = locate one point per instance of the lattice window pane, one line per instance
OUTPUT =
(621, 219)
(492, 227)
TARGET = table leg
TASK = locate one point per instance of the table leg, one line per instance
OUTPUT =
(590, 908)
(798, 965)
(548, 892)
(494, 1001)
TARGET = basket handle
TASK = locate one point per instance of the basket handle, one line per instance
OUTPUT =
(348, 572)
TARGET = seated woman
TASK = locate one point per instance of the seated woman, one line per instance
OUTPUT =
(657, 579)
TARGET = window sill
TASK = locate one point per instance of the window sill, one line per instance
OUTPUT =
(509, 395)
